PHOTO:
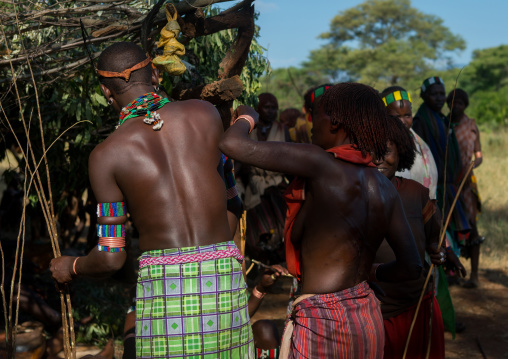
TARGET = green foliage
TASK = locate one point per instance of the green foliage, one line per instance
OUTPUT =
(106, 301)
(385, 42)
(207, 53)
(485, 80)
(487, 71)
(289, 85)
(379, 43)
(68, 100)
(489, 108)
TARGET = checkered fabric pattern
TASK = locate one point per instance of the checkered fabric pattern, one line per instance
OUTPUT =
(193, 310)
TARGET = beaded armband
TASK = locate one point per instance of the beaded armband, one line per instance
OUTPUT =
(111, 236)
(111, 230)
(112, 209)
(109, 249)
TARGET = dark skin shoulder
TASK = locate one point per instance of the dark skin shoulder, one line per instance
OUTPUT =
(348, 210)
(167, 178)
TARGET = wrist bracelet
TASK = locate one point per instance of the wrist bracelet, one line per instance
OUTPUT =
(256, 293)
(74, 266)
(251, 121)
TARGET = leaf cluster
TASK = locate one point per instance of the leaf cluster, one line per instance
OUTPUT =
(385, 41)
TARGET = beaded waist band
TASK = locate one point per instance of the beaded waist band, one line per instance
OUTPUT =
(192, 258)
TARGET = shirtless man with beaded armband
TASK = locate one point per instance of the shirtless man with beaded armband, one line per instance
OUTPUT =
(160, 165)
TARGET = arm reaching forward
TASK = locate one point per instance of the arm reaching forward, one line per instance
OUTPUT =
(291, 158)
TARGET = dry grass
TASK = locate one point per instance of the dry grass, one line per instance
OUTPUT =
(492, 178)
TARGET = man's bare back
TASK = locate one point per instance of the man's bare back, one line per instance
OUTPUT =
(168, 178)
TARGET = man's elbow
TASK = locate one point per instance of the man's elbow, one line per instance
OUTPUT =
(114, 262)
(225, 145)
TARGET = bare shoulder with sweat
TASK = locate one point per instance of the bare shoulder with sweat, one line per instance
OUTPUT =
(199, 111)
(101, 168)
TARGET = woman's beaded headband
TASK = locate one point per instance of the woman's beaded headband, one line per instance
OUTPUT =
(396, 96)
(318, 92)
(431, 81)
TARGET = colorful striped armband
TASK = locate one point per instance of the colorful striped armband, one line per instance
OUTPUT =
(111, 230)
(111, 209)
(110, 249)
(111, 244)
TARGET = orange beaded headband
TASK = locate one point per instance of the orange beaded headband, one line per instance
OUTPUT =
(125, 74)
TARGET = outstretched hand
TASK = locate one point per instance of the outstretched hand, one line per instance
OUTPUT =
(271, 275)
(454, 263)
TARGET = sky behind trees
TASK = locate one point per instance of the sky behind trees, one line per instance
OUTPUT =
(289, 28)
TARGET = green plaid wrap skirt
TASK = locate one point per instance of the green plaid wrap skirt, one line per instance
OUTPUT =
(193, 310)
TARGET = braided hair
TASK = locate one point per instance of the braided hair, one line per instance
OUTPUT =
(399, 135)
(359, 110)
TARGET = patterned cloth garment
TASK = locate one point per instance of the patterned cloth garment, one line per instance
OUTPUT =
(193, 310)
(268, 353)
(424, 169)
(467, 134)
(429, 320)
(347, 324)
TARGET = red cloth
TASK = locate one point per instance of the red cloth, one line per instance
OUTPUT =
(397, 329)
(295, 196)
(347, 325)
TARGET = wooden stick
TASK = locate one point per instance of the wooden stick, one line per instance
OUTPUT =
(443, 233)
(243, 231)
(480, 347)
(268, 267)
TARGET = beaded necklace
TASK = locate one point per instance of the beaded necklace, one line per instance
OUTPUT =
(145, 105)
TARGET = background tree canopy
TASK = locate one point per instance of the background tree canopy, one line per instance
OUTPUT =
(388, 42)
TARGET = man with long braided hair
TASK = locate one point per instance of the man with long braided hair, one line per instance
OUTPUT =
(340, 208)
(162, 164)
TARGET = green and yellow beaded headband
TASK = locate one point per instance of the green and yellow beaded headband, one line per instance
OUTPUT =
(396, 96)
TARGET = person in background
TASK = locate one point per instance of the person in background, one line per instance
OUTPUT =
(262, 190)
(399, 300)
(424, 171)
(433, 127)
(468, 138)
(292, 118)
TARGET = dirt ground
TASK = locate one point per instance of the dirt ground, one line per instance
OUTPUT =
(484, 311)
